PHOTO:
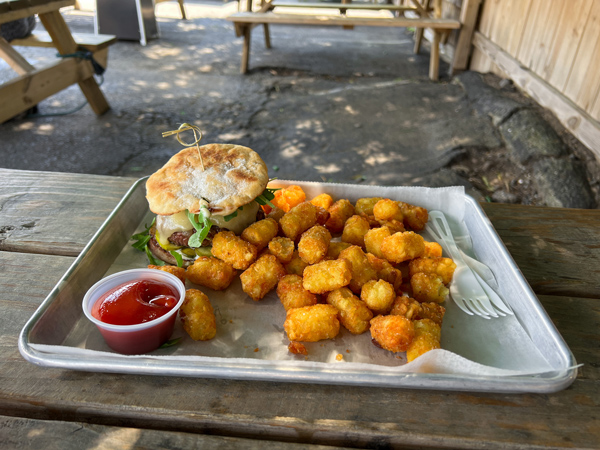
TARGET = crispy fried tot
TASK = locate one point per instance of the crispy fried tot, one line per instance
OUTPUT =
(386, 209)
(312, 323)
(415, 217)
(353, 312)
(260, 233)
(355, 229)
(362, 271)
(427, 287)
(393, 333)
(374, 239)
(313, 244)
(296, 265)
(323, 200)
(283, 248)
(288, 197)
(327, 276)
(211, 272)
(421, 344)
(395, 226)
(402, 246)
(444, 267)
(339, 212)
(406, 306)
(179, 272)
(322, 215)
(292, 294)
(379, 295)
(364, 206)
(262, 276)
(432, 249)
(299, 219)
(432, 311)
(385, 271)
(335, 248)
(197, 316)
(233, 250)
(423, 326)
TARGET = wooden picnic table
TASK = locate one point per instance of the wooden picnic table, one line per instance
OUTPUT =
(47, 218)
(35, 84)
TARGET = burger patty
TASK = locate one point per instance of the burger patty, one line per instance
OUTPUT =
(182, 238)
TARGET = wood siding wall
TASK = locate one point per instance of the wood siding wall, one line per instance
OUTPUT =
(558, 43)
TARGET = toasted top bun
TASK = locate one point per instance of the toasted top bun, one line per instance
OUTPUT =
(233, 176)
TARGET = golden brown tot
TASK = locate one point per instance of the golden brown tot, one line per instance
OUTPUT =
(364, 206)
(393, 333)
(362, 271)
(233, 250)
(296, 265)
(374, 238)
(427, 287)
(385, 271)
(179, 272)
(312, 323)
(260, 233)
(427, 337)
(402, 246)
(283, 248)
(299, 219)
(432, 249)
(339, 212)
(314, 244)
(432, 311)
(335, 248)
(327, 276)
(387, 209)
(323, 200)
(379, 295)
(415, 217)
(406, 306)
(262, 276)
(197, 316)
(355, 229)
(211, 272)
(292, 294)
(353, 312)
(444, 267)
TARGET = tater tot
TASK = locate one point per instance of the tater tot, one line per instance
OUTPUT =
(299, 219)
(312, 323)
(288, 197)
(393, 333)
(424, 326)
(387, 272)
(427, 287)
(364, 206)
(233, 250)
(402, 246)
(275, 213)
(362, 271)
(335, 248)
(322, 215)
(374, 238)
(323, 200)
(260, 233)
(292, 294)
(432, 249)
(211, 272)
(296, 265)
(432, 311)
(197, 316)
(179, 272)
(421, 344)
(407, 307)
(379, 295)
(386, 209)
(415, 217)
(395, 226)
(353, 312)
(283, 248)
(339, 212)
(444, 267)
(355, 229)
(313, 244)
(262, 276)
(327, 276)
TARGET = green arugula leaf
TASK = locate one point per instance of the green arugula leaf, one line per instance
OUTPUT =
(171, 342)
(263, 200)
(233, 215)
(202, 228)
(152, 259)
(177, 257)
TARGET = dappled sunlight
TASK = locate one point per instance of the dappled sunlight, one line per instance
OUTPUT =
(350, 110)
(328, 169)
(157, 52)
(291, 151)
(45, 129)
(314, 125)
(121, 438)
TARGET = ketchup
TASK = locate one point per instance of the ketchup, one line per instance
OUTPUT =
(135, 302)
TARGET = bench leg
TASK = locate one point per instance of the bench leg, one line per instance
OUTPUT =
(434, 58)
(418, 39)
(267, 35)
(183, 16)
(246, 49)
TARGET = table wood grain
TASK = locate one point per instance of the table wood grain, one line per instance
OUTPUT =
(554, 248)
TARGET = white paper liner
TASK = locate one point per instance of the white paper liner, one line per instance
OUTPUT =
(251, 333)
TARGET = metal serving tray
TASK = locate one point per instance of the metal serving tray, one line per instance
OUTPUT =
(59, 324)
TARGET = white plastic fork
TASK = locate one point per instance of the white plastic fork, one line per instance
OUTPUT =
(465, 289)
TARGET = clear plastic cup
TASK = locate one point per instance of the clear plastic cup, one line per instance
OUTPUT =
(140, 338)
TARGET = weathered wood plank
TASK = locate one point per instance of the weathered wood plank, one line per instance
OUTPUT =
(17, 10)
(39, 207)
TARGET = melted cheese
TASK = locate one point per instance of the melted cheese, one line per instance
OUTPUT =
(167, 225)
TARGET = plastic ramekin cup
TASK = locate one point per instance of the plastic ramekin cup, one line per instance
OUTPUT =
(140, 338)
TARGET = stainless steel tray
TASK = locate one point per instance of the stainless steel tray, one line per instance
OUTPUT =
(59, 326)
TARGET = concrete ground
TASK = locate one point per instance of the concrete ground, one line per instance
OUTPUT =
(324, 104)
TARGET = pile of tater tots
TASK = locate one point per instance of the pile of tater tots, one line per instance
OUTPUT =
(333, 264)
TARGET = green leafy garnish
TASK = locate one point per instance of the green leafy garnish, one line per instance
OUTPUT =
(202, 224)
(143, 237)
(177, 257)
(171, 342)
(233, 215)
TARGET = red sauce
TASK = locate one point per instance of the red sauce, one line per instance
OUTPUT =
(135, 302)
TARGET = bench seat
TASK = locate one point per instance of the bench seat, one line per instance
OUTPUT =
(245, 21)
(91, 42)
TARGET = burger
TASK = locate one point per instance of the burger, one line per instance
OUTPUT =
(199, 192)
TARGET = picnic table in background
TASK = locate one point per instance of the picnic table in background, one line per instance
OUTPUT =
(35, 84)
(47, 219)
